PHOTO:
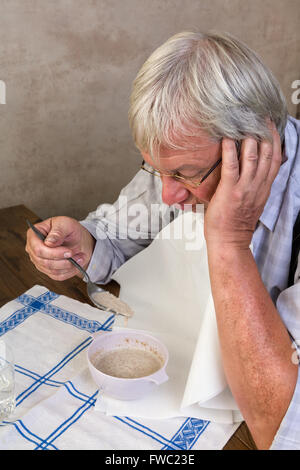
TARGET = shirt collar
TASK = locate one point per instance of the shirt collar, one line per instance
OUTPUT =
(273, 205)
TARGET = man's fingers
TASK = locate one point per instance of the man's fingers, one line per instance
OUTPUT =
(38, 247)
(54, 265)
(270, 158)
(54, 269)
(248, 161)
(264, 162)
(276, 157)
(230, 164)
(56, 230)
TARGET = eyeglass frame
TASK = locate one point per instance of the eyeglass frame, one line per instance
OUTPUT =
(184, 179)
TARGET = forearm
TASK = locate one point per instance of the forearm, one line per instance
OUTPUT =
(256, 347)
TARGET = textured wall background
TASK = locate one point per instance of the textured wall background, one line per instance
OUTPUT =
(68, 65)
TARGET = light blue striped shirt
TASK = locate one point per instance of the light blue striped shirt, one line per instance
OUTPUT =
(272, 243)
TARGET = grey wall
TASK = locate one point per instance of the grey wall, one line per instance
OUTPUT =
(65, 144)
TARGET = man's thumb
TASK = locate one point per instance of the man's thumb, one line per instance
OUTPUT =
(55, 237)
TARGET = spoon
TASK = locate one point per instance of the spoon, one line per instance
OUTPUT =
(100, 297)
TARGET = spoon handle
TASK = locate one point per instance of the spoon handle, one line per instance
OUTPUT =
(42, 237)
(36, 231)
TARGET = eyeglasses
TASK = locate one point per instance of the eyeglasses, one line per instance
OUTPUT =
(188, 181)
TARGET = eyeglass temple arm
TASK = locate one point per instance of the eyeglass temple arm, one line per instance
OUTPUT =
(238, 148)
(211, 169)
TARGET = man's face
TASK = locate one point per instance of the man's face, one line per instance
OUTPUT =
(189, 164)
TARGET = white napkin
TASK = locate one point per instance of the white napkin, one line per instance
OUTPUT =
(167, 285)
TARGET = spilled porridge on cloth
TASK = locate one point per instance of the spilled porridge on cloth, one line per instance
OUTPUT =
(109, 301)
(128, 363)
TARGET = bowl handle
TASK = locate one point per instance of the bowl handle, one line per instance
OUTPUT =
(160, 377)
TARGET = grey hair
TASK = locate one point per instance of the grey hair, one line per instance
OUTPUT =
(203, 82)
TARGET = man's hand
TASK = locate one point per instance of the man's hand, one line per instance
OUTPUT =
(66, 238)
(243, 190)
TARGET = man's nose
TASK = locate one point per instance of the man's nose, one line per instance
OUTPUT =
(173, 192)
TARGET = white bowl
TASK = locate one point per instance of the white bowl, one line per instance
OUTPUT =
(127, 388)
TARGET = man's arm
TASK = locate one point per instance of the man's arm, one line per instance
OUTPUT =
(256, 347)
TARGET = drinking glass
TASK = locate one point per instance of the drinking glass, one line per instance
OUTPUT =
(7, 381)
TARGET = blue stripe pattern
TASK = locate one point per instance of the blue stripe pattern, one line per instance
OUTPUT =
(42, 304)
(184, 438)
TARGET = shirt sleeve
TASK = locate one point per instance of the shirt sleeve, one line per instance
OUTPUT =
(288, 305)
(126, 227)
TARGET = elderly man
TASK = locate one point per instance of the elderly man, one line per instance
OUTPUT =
(202, 99)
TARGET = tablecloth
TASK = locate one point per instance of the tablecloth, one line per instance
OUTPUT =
(55, 394)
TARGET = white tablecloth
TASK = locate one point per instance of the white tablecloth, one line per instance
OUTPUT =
(55, 395)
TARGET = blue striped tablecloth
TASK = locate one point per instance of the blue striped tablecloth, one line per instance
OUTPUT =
(55, 395)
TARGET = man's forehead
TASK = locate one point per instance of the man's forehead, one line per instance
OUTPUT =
(182, 159)
(199, 155)
(191, 153)
(185, 145)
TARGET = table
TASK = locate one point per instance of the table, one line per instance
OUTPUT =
(18, 274)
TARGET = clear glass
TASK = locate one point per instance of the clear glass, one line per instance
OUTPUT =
(7, 381)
